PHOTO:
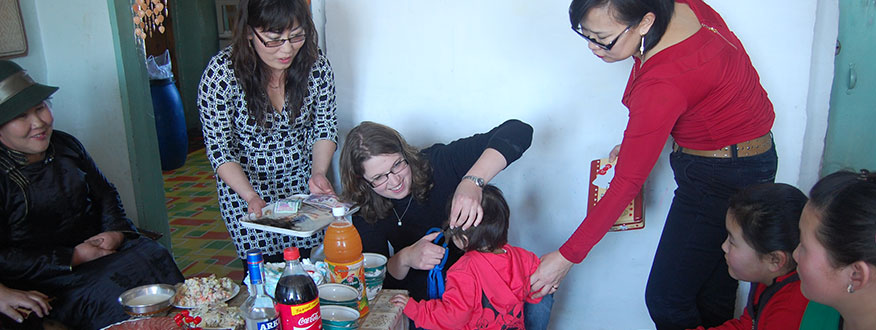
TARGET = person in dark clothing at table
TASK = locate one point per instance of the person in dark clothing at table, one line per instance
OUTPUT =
(64, 231)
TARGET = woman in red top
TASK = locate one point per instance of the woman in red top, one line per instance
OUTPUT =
(691, 79)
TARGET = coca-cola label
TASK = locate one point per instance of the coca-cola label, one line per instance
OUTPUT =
(300, 317)
(272, 324)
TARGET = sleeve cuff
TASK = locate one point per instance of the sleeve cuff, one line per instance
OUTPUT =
(570, 254)
(411, 309)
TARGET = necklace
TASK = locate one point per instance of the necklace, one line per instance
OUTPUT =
(404, 212)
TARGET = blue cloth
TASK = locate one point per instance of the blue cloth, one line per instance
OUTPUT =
(689, 284)
(435, 281)
(537, 316)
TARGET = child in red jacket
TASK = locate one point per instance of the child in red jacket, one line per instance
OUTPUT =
(486, 287)
(762, 233)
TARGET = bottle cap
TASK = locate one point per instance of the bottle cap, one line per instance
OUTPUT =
(253, 265)
(291, 253)
(339, 211)
(254, 256)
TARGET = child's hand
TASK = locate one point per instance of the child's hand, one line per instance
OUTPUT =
(399, 300)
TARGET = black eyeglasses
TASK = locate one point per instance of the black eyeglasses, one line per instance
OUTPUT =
(274, 43)
(380, 179)
(578, 29)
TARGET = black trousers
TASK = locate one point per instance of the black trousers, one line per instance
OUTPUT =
(689, 284)
(88, 297)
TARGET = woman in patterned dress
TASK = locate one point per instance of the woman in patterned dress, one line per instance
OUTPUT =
(267, 105)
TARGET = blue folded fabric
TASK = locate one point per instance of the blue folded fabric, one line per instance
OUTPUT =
(435, 281)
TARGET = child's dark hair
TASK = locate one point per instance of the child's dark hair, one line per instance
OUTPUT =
(846, 202)
(769, 215)
(492, 233)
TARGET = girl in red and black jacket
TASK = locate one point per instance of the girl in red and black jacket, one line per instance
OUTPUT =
(486, 287)
(762, 233)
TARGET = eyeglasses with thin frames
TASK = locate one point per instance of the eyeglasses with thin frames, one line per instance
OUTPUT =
(380, 179)
(274, 43)
(578, 29)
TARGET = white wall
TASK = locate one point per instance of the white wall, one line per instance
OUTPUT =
(71, 46)
(440, 70)
(821, 72)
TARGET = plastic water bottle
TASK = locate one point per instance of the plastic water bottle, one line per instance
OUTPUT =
(258, 310)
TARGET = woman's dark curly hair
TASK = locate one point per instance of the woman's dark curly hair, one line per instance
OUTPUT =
(371, 139)
(252, 73)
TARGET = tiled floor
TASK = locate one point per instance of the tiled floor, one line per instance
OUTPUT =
(201, 244)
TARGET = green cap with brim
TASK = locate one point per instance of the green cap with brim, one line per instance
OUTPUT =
(18, 92)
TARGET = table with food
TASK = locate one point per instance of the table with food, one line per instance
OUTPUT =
(211, 302)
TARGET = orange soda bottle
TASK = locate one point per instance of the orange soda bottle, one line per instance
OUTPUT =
(343, 255)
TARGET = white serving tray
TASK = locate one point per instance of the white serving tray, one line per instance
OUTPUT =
(307, 221)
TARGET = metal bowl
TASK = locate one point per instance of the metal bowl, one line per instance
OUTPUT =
(147, 299)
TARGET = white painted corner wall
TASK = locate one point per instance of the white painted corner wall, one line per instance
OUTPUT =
(441, 70)
(70, 45)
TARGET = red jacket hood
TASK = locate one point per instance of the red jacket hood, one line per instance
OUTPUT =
(507, 273)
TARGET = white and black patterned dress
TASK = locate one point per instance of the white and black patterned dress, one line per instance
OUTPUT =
(276, 159)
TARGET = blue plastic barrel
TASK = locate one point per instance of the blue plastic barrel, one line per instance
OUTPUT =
(170, 123)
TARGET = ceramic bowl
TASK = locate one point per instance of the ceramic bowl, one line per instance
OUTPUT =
(338, 317)
(375, 265)
(375, 273)
(338, 294)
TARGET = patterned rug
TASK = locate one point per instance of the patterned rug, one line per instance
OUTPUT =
(201, 245)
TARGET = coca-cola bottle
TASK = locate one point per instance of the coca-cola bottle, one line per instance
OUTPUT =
(258, 310)
(297, 296)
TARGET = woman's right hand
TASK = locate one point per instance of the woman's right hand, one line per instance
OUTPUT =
(612, 155)
(423, 255)
(254, 205)
(12, 302)
(551, 270)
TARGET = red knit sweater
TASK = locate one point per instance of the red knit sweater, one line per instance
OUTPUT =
(703, 91)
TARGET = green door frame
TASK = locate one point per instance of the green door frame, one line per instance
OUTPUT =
(139, 119)
(850, 136)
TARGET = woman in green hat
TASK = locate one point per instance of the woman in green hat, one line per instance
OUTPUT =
(63, 230)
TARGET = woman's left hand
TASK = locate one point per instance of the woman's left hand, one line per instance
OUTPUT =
(319, 184)
(465, 209)
(551, 271)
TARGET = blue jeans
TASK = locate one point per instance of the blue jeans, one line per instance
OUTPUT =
(689, 284)
(537, 316)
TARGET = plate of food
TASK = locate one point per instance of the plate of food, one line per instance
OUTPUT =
(204, 291)
(165, 323)
(218, 316)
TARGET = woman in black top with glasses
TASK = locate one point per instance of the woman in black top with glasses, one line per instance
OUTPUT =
(267, 105)
(403, 192)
